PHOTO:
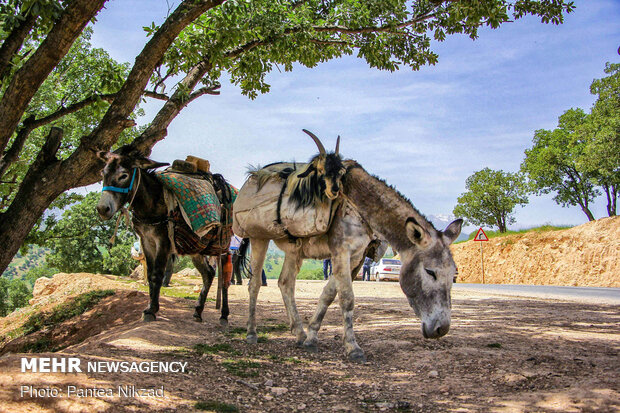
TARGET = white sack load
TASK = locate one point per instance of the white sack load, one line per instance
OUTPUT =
(255, 213)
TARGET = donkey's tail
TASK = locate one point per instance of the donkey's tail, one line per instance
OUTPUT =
(242, 264)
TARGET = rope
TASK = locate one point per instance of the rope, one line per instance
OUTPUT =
(125, 212)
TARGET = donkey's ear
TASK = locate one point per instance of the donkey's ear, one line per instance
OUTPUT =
(146, 163)
(416, 233)
(452, 231)
(103, 155)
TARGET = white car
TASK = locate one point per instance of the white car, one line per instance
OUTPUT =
(386, 269)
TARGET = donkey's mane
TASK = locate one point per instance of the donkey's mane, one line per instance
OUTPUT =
(276, 170)
(351, 164)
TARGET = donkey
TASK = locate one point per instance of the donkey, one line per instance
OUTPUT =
(370, 208)
(128, 178)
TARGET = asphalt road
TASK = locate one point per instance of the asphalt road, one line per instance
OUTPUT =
(594, 295)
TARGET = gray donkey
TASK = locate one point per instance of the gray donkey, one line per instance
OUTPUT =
(369, 208)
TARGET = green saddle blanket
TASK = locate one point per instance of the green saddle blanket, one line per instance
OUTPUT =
(198, 200)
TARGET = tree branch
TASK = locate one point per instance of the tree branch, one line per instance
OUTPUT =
(30, 124)
(157, 130)
(374, 29)
(155, 95)
(12, 154)
(331, 42)
(213, 90)
(27, 80)
(108, 131)
(73, 108)
(13, 43)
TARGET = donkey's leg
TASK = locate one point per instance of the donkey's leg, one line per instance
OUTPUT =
(156, 263)
(225, 311)
(325, 300)
(344, 285)
(259, 250)
(327, 297)
(207, 272)
(224, 314)
(286, 282)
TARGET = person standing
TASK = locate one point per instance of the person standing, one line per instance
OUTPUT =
(235, 242)
(366, 269)
(327, 268)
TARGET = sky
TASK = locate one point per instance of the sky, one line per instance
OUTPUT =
(422, 131)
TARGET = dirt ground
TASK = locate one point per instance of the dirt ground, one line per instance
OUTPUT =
(502, 354)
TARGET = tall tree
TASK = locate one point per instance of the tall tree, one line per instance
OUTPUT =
(491, 198)
(602, 156)
(199, 41)
(555, 162)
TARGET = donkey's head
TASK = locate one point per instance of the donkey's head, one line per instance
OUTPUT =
(427, 274)
(328, 167)
(120, 178)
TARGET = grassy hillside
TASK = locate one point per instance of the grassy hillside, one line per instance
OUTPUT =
(310, 270)
(495, 234)
(21, 264)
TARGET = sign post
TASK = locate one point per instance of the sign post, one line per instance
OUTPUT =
(481, 236)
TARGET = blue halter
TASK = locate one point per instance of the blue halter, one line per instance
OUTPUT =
(121, 190)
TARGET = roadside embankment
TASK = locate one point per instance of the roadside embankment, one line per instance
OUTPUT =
(586, 255)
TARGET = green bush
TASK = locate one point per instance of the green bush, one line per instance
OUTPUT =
(14, 294)
(310, 274)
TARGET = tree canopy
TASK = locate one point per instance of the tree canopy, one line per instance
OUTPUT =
(602, 156)
(583, 153)
(197, 43)
(491, 198)
(80, 241)
(553, 164)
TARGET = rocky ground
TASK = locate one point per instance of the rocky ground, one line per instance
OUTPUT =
(502, 354)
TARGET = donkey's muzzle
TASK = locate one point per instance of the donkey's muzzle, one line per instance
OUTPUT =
(104, 211)
(435, 330)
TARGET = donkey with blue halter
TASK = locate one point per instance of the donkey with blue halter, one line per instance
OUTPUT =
(128, 179)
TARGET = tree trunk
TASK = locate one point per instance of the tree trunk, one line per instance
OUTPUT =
(34, 196)
(588, 213)
(502, 227)
(612, 195)
(47, 178)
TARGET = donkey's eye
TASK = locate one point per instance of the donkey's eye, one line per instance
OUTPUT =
(431, 273)
(123, 177)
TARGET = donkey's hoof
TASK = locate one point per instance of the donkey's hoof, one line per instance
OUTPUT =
(357, 356)
(301, 339)
(197, 318)
(311, 347)
(224, 325)
(251, 339)
(148, 317)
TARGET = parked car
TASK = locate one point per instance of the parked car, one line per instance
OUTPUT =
(385, 269)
